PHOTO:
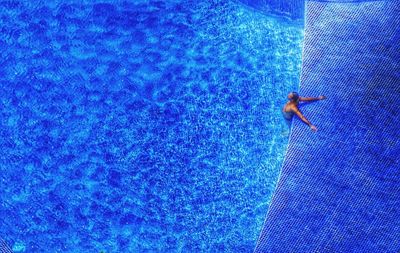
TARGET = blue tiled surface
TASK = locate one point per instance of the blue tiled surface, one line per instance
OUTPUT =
(339, 188)
(4, 248)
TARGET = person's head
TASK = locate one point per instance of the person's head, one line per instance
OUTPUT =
(293, 96)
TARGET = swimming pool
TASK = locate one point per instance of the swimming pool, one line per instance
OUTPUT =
(141, 127)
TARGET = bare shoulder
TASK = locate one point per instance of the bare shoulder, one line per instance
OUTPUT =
(287, 107)
(294, 108)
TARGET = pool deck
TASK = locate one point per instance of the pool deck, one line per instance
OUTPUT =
(339, 188)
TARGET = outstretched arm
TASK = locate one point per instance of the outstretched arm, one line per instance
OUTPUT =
(311, 98)
(304, 119)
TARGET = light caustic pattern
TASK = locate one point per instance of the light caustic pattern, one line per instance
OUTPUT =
(141, 126)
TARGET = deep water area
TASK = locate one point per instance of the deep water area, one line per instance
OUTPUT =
(143, 126)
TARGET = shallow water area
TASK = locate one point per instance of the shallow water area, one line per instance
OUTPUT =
(141, 127)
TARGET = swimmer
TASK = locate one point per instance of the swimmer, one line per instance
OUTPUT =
(291, 108)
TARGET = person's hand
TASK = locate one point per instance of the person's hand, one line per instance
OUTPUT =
(321, 97)
(314, 128)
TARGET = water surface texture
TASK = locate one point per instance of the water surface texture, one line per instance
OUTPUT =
(141, 127)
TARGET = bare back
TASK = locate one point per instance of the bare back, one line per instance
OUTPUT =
(289, 109)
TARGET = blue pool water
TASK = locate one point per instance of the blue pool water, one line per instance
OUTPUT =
(141, 127)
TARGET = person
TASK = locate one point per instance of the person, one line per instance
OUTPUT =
(291, 108)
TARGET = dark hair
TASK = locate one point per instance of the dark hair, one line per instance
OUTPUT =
(295, 95)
